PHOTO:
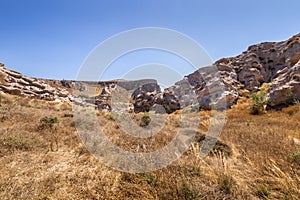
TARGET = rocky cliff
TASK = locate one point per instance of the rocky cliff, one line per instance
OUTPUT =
(273, 63)
(219, 86)
(17, 84)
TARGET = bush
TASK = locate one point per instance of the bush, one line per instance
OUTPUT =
(262, 192)
(20, 142)
(145, 120)
(259, 101)
(178, 123)
(109, 116)
(150, 179)
(48, 122)
(293, 99)
(47, 125)
(188, 192)
(295, 158)
(226, 183)
(68, 115)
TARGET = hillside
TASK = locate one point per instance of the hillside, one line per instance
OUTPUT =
(43, 155)
(257, 157)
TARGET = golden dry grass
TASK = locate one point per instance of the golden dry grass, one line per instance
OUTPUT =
(264, 163)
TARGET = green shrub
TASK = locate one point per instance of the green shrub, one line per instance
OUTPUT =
(295, 158)
(259, 100)
(145, 120)
(292, 99)
(226, 183)
(47, 126)
(109, 116)
(20, 142)
(188, 192)
(178, 123)
(48, 122)
(263, 192)
(150, 179)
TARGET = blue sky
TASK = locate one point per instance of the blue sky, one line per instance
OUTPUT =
(52, 38)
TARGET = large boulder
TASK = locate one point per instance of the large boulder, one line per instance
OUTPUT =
(145, 96)
(285, 89)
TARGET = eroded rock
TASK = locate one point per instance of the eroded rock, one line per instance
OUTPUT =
(17, 84)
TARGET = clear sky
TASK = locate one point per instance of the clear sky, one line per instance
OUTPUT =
(52, 38)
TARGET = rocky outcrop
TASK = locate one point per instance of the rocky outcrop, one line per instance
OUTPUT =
(214, 87)
(285, 89)
(220, 86)
(145, 96)
(274, 63)
(16, 84)
(149, 97)
(115, 94)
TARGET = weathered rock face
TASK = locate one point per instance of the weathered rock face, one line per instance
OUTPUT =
(145, 97)
(221, 85)
(261, 63)
(116, 94)
(15, 83)
(149, 97)
(285, 89)
(275, 63)
(214, 87)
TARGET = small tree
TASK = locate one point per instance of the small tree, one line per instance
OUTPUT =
(48, 122)
(259, 101)
(47, 125)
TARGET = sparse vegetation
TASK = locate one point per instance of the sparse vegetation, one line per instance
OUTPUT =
(292, 99)
(47, 126)
(150, 179)
(48, 122)
(20, 142)
(226, 183)
(145, 120)
(259, 101)
(263, 192)
(188, 192)
(256, 158)
(109, 116)
(295, 158)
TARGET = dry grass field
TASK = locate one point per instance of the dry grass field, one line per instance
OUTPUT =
(256, 157)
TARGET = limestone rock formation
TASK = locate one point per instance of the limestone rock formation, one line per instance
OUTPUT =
(285, 89)
(145, 96)
(214, 87)
(274, 63)
(15, 83)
